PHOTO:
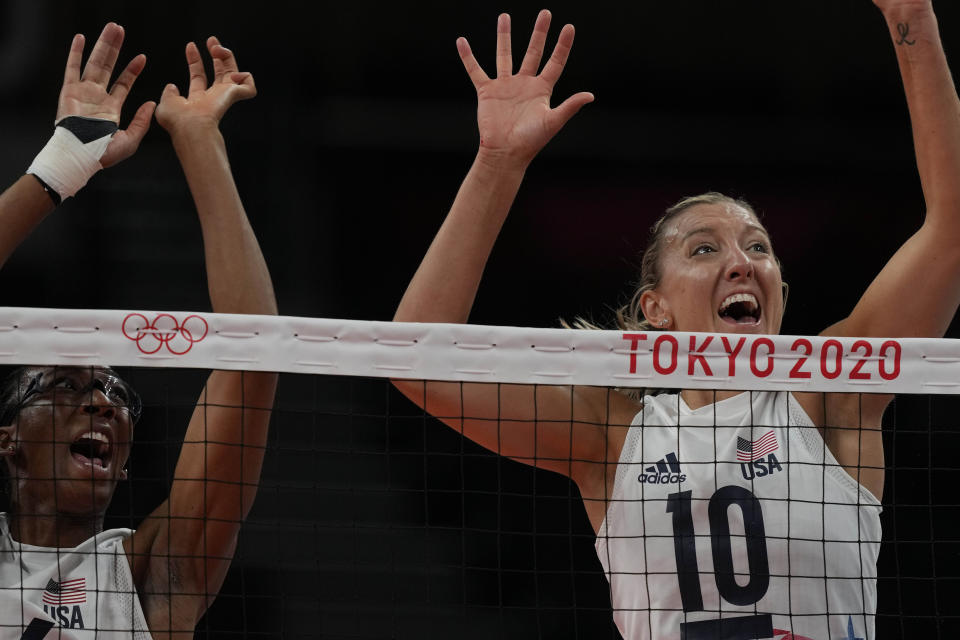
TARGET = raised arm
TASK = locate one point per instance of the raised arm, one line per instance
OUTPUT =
(515, 121)
(85, 140)
(184, 549)
(918, 291)
(563, 429)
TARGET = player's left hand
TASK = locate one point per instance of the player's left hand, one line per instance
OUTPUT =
(204, 105)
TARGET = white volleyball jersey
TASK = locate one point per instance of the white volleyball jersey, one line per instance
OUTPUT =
(83, 593)
(734, 521)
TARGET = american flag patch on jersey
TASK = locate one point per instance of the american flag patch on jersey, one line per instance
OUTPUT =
(748, 451)
(66, 592)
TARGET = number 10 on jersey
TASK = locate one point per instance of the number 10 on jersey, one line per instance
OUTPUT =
(688, 571)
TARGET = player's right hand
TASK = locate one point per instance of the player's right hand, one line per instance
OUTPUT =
(86, 91)
(513, 110)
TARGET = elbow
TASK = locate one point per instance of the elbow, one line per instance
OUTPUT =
(414, 390)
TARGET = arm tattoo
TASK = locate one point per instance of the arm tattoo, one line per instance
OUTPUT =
(903, 29)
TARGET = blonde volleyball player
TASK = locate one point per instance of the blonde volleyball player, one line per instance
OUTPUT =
(65, 432)
(805, 564)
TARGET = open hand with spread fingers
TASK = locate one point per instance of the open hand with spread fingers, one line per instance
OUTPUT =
(204, 105)
(87, 92)
(513, 109)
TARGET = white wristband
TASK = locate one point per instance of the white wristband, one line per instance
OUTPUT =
(72, 155)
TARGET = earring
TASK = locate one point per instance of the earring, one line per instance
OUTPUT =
(664, 322)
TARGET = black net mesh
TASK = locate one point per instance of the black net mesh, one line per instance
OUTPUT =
(374, 519)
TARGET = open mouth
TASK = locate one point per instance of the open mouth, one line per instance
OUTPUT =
(740, 308)
(92, 449)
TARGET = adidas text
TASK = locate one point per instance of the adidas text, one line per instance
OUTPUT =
(662, 478)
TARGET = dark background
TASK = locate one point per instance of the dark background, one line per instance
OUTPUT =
(372, 526)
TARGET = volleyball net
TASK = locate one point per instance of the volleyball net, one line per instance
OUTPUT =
(374, 518)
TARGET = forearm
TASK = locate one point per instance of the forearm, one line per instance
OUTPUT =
(222, 454)
(237, 275)
(22, 207)
(234, 410)
(934, 108)
(445, 285)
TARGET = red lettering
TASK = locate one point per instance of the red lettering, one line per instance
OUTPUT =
(732, 355)
(757, 371)
(867, 350)
(838, 348)
(693, 357)
(896, 360)
(634, 339)
(808, 347)
(674, 348)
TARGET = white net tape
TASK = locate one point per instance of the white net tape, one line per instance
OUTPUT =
(470, 353)
(365, 494)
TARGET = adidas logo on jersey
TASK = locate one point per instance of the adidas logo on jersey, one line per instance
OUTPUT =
(666, 471)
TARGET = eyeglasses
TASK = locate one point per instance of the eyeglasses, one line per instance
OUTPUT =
(75, 386)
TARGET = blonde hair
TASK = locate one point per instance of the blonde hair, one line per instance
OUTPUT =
(629, 317)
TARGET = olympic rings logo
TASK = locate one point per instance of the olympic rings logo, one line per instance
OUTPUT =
(164, 331)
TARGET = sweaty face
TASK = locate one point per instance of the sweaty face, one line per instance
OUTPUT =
(719, 274)
(72, 438)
